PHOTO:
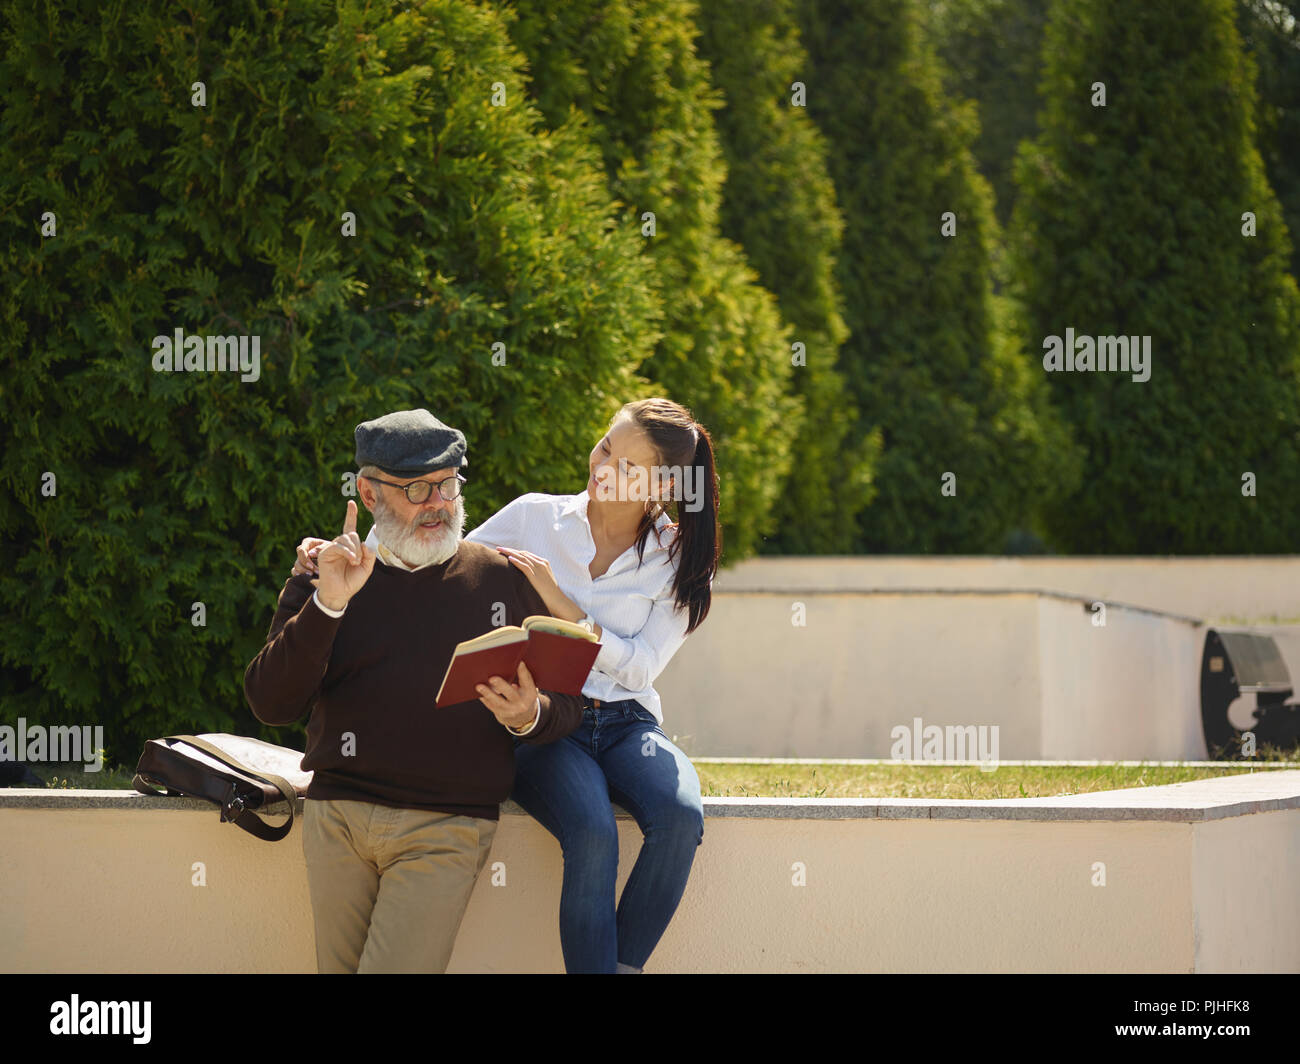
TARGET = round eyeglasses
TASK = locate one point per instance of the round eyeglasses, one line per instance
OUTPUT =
(419, 491)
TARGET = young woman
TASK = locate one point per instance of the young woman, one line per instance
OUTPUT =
(610, 558)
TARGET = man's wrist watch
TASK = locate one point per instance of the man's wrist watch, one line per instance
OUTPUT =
(588, 622)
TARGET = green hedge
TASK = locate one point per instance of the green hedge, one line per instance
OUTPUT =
(474, 225)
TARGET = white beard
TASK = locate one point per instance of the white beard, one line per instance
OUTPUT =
(414, 547)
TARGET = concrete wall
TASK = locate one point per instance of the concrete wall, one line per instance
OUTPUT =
(1125, 690)
(1264, 589)
(1234, 864)
(891, 886)
(750, 683)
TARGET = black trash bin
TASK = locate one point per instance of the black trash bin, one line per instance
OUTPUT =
(1242, 662)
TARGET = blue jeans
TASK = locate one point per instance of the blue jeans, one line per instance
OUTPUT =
(618, 752)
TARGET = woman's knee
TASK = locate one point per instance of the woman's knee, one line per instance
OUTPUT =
(590, 839)
(681, 817)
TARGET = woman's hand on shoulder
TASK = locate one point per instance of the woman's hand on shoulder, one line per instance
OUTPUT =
(538, 571)
(306, 555)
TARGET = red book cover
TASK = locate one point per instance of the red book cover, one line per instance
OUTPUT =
(558, 663)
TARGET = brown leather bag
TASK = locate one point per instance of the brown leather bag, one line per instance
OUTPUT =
(238, 773)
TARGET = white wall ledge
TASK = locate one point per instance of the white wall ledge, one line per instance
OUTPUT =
(1207, 586)
(1086, 601)
(1195, 801)
(1137, 881)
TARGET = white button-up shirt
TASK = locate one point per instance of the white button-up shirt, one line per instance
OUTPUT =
(641, 628)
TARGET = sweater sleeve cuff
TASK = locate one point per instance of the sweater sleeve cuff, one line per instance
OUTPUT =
(315, 597)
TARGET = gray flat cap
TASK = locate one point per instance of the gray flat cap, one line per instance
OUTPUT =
(409, 443)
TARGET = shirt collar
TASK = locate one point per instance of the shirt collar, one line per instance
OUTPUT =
(577, 504)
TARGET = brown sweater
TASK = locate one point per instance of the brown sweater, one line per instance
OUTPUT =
(373, 674)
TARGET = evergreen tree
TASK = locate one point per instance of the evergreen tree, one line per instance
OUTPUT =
(971, 447)
(1271, 33)
(991, 53)
(779, 204)
(631, 67)
(1130, 222)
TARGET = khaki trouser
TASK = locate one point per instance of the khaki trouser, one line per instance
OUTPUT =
(389, 886)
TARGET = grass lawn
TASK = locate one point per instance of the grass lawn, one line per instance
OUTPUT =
(895, 780)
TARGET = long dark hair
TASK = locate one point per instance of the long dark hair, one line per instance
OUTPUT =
(680, 441)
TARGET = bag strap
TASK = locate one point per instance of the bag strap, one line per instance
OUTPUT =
(232, 808)
(152, 788)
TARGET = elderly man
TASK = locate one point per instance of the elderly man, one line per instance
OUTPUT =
(404, 799)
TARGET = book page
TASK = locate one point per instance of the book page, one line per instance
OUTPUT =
(501, 637)
(558, 627)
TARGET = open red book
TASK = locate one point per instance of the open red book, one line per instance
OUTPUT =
(559, 654)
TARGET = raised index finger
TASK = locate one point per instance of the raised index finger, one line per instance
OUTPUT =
(350, 521)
